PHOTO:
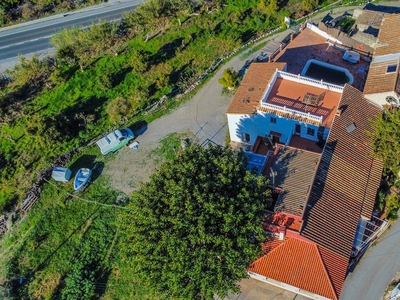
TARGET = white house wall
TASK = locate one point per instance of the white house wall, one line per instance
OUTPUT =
(286, 286)
(259, 124)
(380, 98)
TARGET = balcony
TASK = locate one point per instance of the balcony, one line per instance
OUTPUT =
(291, 113)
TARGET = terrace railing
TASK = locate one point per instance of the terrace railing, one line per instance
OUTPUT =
(295, 113)
(312, 82)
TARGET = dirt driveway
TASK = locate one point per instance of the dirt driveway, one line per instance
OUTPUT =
(203, 116)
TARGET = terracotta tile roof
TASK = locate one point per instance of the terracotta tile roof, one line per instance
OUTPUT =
(298, 263)
(336, 266)
(378, 81)
(389, 36)
(347, 178)
(252, 87)
(294, 169)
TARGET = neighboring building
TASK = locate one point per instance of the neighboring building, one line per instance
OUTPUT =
(383, 83)
(309, 138)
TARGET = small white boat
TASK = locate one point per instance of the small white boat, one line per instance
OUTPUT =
(82, 178)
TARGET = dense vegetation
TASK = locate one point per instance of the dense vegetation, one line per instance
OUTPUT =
(64, 248)
(191, 231)
(386, 146)
(194, 225)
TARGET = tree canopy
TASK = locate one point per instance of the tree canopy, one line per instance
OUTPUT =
(229, 79)
(386, 139)
(192, 230)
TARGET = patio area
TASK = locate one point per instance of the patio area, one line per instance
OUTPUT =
(309, 45)
(305, 144)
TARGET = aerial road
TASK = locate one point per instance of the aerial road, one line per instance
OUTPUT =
(34, 37)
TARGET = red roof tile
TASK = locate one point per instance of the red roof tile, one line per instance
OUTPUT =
(336, 267)
(347, 178)
(379, 81)
(388, 37)
(298, 263)
(252, 87)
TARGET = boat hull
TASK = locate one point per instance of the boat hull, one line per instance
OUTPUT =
(82, 178)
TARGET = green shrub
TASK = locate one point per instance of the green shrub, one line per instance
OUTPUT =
(118, 109)
(229, 79)
(392, 206)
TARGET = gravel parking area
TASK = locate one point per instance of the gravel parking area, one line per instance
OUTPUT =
(203, 115)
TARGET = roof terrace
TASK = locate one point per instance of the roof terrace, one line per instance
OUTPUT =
(301, 98)
(309, 45)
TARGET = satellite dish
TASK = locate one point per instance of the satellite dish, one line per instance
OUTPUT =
(391, 99)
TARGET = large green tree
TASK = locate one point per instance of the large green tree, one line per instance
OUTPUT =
(192, 230)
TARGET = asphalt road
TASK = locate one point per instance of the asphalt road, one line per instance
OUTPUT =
(376, 268)
(34, 36)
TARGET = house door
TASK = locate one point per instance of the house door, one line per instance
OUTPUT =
(297, 129)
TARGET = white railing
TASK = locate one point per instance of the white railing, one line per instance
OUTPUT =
(323, 33)
(373, 236)
(270, 85)
(312, 82)
(296, 113)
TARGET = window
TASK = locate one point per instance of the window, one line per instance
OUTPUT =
(273, 120)
(247, 137)
(391, 68)
(311, 131)
(124, 132)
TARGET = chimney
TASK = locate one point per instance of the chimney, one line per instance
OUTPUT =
(339, 112)
(282, 232)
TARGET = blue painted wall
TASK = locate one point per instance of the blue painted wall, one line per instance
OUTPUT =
(260, 124)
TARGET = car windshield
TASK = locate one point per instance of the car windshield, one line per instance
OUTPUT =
(124, 132)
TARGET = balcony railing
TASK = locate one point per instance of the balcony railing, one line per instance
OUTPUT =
(295, 113)
(305, 80)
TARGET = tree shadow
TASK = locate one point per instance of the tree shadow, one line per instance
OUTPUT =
(72, 120)
(101, 282)
(248, 34)
(382, 8)
(119, 77)
(167, 51)
(97, 169)
(67, 72)
(85, 161)
(139, 127)
(176, 74)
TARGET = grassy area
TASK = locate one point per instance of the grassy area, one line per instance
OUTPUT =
(170, 146)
